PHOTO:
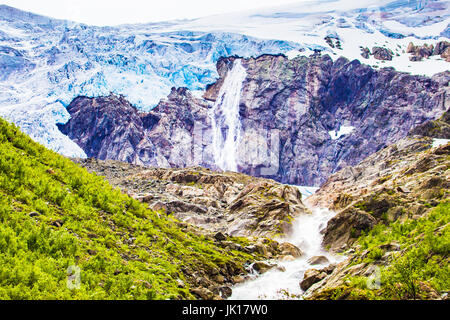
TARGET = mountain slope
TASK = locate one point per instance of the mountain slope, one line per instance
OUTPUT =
(291, 117)
(230, 203)
(54, 216)
(392, 224)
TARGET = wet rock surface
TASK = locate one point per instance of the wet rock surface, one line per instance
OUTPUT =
(311, 277)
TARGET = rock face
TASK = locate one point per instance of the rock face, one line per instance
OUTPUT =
(287, 109)
(418, 53)
(381, 53)
(111, 128)
(220, 203)
(301, 100)
(389, 185)
(439, 129)
(392, 184)
(105, 126)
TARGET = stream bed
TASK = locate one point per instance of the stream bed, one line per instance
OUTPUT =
(276, 284)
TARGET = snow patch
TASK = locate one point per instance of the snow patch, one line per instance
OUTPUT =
(439, 142)
(344, 130)
(307, 191)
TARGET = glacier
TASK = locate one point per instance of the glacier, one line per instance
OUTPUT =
(45, 63)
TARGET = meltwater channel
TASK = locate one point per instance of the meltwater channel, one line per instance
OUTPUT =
(276, 284)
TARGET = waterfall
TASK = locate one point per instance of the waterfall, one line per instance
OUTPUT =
(226, 125)
(275, 283)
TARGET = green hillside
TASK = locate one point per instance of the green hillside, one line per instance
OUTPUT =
(54, 215)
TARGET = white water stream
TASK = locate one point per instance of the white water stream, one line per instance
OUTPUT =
(226, 125)
(274, 284)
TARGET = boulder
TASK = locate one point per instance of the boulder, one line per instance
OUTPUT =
(318, 260)
(365, 53)
(202, 293)
(381, 53)
(219, 236)
(262, 267)
(311, 277)
(345, 226)
(288, 249)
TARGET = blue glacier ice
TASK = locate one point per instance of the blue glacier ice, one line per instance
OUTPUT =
(45, 63)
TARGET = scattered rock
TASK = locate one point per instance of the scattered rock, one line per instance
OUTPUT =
(202, 293)
(311, 277)
(239, 279)
(381, 53)
(425, 51)
(254, 206)
(57, 223)
(219, 236)
(288, 249)
(318, 260)
(224, 292)
(262, 267)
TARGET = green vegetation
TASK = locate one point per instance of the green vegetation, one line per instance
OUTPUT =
(419, 270)
(54, 215)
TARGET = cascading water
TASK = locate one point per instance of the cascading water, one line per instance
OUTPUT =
(226, 125)
(277, 284)
(226, 133)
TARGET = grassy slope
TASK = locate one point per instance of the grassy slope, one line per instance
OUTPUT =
(420, 270)
(124, 250)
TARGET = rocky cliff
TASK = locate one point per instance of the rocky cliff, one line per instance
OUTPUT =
(111, 128)
(299, 120)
